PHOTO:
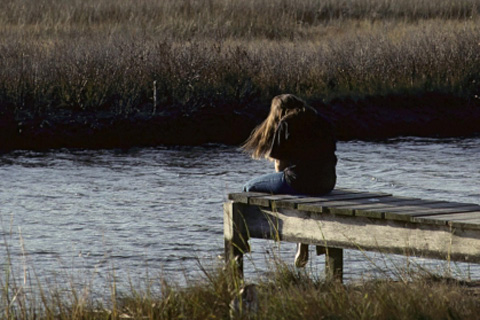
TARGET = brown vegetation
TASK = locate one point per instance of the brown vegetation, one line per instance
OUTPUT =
(144, 59)
(283, 293)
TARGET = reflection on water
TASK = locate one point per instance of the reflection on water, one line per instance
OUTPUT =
(145, 211)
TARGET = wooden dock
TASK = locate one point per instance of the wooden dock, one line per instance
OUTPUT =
(349, 219)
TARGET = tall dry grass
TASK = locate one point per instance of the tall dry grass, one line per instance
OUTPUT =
(284, 293)
(405, 290)
(275, 19)
(106, 55)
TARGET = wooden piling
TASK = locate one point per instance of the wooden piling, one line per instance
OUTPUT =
(235, 235)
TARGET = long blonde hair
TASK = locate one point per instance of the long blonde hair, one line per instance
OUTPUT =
(260, 140)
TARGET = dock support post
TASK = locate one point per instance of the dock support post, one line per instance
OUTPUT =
(235, 236)
(334, 264)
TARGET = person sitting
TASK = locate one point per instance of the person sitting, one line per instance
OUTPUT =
(301, 142)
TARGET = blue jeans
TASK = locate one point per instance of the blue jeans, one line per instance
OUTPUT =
(271, 182)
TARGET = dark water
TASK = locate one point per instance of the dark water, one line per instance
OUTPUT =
(141, 212)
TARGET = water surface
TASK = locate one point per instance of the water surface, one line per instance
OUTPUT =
(140, 212)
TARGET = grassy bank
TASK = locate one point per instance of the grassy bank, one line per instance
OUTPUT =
(283, 293)
(124, 59)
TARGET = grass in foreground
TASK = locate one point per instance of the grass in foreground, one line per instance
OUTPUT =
(284, 293)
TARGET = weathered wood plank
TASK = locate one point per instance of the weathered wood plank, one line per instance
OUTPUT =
(453, 219)
(454, 216)
(346, 201)
(267, 201)
(324, 200)
(371, 209)
(434, 205)
(389, 200)
(243, 197)
(366, 207)
(405, 210)
(335, 231)
(350, 202)
(471, 224)
(408, 214)
(445, 210)
(401, 210)
(374, 208)
(293, 203)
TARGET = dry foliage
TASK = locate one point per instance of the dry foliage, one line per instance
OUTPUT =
(116, 56)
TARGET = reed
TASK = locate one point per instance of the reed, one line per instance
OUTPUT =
(59, 57)
(251, 18)
(283, 293)
(407, 291)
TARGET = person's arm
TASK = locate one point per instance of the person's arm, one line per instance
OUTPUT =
(279, 151)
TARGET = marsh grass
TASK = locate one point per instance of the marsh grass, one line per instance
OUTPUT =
(59, 57)
(283, 293)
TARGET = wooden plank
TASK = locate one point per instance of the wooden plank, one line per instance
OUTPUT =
(258, 198)
(293, 203)
(345, 203)
(371, 209)
(322, 203)
(409, 213)
(434, 205)
(249, 197)
(347, 232)
(243, 197)
(362, 204)
(455, 216)
(472, 224)
(405, 210)
(374, 210)
(385, 207)
(452, 219)
(445, 210)
(267, 201)
(418, 214)
(366, 207)
(388, 200)
(391, 204)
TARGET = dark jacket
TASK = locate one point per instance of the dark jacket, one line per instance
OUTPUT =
(305, 140)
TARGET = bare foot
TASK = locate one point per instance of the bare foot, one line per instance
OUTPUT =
(301, 258)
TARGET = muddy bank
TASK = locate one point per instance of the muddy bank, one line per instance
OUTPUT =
(431, 115)
(425, 115)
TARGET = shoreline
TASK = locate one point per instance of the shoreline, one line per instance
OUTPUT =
(370, 118)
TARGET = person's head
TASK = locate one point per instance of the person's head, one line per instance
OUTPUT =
(259, 142)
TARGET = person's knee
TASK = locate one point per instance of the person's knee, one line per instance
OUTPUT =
(248, 187)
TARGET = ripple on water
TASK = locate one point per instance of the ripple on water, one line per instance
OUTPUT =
(161, 208)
